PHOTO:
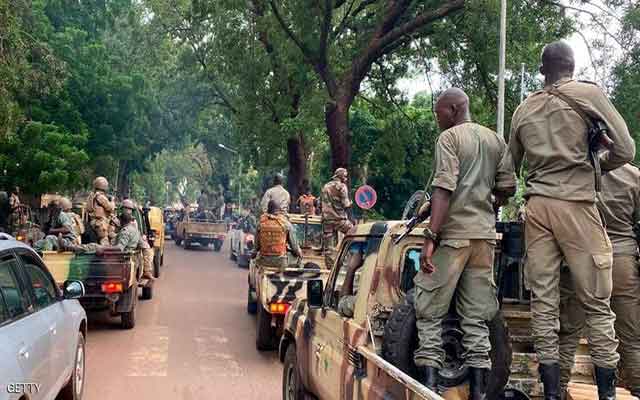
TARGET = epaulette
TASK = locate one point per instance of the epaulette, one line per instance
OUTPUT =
(589, 82)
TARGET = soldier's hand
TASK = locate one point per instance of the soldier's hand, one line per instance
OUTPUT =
(426, 261)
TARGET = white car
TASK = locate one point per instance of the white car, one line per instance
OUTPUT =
(42, 329)
(242, 242)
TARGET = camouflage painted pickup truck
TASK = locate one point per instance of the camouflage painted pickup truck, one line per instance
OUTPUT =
(272, 290)
(192, 230)
(369, 354)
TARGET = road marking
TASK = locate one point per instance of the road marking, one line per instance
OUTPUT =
(213, 360)
(150, 356)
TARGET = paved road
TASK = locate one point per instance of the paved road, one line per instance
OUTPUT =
(194, 340)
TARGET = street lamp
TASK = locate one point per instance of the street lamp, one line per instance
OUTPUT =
(239, 172)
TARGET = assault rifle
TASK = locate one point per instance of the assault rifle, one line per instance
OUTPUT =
(422, 214)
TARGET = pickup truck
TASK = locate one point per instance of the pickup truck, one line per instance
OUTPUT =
(156, 236)
(370, 355)
(190, 230)
(242, 241)
(272, 290)
(111, 279)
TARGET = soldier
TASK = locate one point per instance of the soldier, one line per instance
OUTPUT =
(100, 208)
(347, 302)
(14, 207)
(307, 202)
(273, 234)
(278, 194)
(562, 220)
(203, 199)
(619, 204)
(147, 252)
(335, 201)
(64, 232)
(472, 164)
(67, 207)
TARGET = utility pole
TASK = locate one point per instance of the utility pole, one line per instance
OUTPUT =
(522, 84)
(501, 70)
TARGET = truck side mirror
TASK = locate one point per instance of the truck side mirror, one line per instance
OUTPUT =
(314, 293)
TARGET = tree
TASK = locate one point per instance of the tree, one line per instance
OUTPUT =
(342, 40)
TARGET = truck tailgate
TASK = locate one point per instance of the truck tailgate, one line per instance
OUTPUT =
(288, 285)
(205, 227)
(90, 268)
(384, 381)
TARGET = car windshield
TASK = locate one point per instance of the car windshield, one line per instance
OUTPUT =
(314, 234)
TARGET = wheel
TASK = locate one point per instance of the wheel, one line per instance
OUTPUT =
(162, 259)
(186, 244)
(401, 340)
(157, 261)
(217, 245)
(264, 332)
(178, 241)
(147, 293)
(292, 387)
(252, 306)
(128, 319)
(74, 389)
(232, 255)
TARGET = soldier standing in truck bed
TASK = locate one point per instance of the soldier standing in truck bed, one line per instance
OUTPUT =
(562, 220)
(619, 204)
(101, 208)
(335, 202)
(472, 164)
(278, 194)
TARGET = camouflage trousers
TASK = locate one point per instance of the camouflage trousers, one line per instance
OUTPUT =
(463, 268)
(330, 231)
(625, 303)
(557, 231)
(147, 259)
(50, 243)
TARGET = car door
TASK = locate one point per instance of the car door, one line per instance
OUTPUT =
(330, 343)
(47, 300)
(24, 335)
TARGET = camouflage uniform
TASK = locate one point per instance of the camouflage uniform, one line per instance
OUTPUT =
(128, 239)
(147, 251)
(280, 195)
(335, 201)
(471, 162)
(619, 203)
(14, 207)
(562, 220)
(101, 210)
(278, 261)
(51, 243)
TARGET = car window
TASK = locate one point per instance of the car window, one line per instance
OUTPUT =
(353, 257)
(44, 290)
(410, 267)
(14, 299)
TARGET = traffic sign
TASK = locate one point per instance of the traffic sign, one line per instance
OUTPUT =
(366, 197)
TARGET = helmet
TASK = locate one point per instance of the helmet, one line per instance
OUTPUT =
(101, 183)
(65, 203)
(128, 204)
(340, 173)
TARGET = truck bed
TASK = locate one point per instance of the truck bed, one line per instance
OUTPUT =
(202, 227)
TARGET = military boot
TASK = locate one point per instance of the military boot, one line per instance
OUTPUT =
(429, 377)
(550, 377)
(478, 383)
(606, 381)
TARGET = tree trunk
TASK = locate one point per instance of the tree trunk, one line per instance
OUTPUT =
(337, 121)
(297, 156)
(123, 179)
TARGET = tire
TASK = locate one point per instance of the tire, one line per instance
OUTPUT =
(157, 261)
(264, 332)
(252, 306)
(232, 255)
(147, 292)
(162, 259)
(128, 319)
(178, 241)
(401, 340)
(74, 389)
(292, 386)
(217, 245)
(186, 244)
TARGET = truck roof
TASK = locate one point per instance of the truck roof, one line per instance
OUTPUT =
(381, 228)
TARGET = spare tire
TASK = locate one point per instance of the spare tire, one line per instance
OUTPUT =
(401, 340)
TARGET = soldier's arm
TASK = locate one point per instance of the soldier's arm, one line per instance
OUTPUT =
(623, 149)
(506, 182)
(104, 202)
(445, 179)
(516, 150)
(293, 243)
(344, 194)
(265, 201)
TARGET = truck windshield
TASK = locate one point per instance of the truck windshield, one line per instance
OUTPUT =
(313, 235)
